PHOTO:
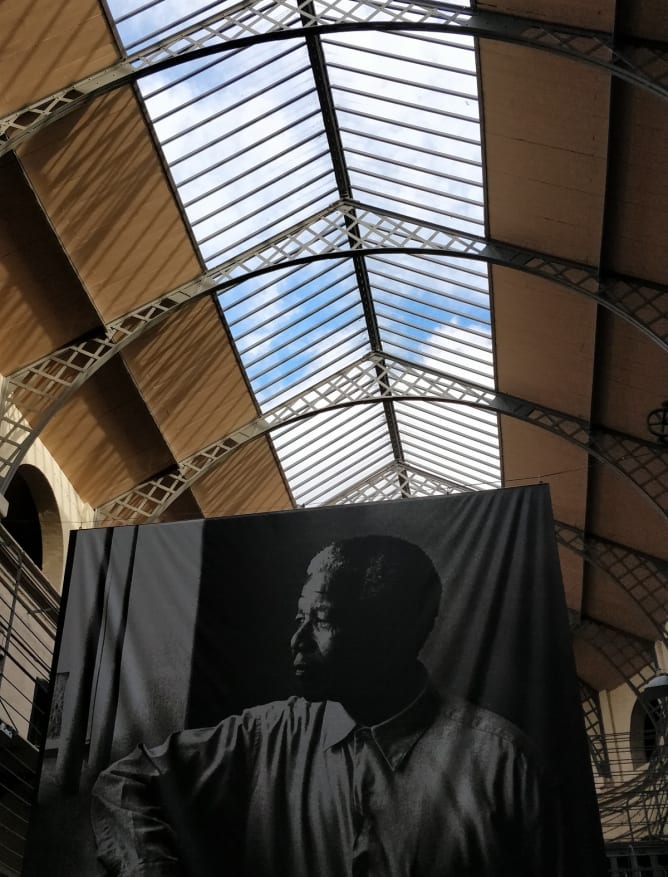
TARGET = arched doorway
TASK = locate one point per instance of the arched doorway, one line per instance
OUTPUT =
(33, 519)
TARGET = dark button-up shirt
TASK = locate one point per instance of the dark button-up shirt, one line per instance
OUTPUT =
(298, 789)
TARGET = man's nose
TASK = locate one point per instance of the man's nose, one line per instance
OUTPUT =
(302, 639)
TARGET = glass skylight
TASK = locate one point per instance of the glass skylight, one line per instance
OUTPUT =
(293, 328)
(275, 149)
(384, 83)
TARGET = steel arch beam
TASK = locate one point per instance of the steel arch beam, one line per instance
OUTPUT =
(342, 230)
(640, 61)
(644, 305)
(633, 658)
(372, 380)
(641, 577)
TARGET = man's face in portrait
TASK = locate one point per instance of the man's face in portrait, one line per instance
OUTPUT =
(362, 616)
(331, 643)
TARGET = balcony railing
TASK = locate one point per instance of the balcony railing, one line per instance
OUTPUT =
(28, 618)
(633, 800)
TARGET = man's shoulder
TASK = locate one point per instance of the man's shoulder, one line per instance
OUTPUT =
(478, 724)
(293, 713)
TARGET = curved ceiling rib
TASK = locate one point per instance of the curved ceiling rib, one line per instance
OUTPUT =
(630, 656)
(42, 388)
(644, 579)
(642, 62)
(371, 380)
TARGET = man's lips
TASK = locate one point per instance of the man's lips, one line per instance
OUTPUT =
(300, 666)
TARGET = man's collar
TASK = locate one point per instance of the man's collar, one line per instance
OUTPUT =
(395, 737)
(337, 724)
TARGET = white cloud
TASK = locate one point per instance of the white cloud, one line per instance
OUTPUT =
(251, 119)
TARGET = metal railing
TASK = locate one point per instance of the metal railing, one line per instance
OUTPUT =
(637, 860)
(28, 618)
(633, 802)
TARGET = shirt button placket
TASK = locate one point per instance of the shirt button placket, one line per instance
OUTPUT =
(361, 866)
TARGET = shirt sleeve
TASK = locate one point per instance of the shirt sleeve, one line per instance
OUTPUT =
(152, 811)
(542, 837)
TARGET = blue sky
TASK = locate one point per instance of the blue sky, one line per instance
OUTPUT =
(248, 151)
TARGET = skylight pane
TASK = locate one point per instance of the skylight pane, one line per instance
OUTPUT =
(145, 23)
(246, 143)
(434, 169)
(253, 156)
(296, 327)
(426, 320)
(454, 442)
(341, 446)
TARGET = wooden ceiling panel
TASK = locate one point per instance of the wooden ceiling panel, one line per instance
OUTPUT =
(104, 439)
(189, 376)
(644, 18)
(42, 303)
(606, 601)
(620, 513)
(633, 377)
(544, 339)
(595, 14)
(249, 481)
(102, 184)
(638, 203)
(546, 129)
(49, 44)
(533, 455)
(593, 667)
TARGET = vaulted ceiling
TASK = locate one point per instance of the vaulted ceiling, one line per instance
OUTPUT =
(264, 255)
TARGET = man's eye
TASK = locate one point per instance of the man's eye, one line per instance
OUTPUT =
(317, 622)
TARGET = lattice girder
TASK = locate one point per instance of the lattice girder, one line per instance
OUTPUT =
(644, 463)
(379, 485)
(384, 484)
(370, 380)
(633, 658)
(642, 304)
(643, 62)
(23, 123)
(356, 383)
(35, 393)
(39, 390)
(643, 578)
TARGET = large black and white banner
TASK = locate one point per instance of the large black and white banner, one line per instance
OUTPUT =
(243, 696)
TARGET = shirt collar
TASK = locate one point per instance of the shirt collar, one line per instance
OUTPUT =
(395, 737)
